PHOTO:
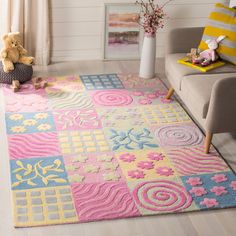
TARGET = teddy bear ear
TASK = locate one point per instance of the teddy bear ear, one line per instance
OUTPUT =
(4, 36)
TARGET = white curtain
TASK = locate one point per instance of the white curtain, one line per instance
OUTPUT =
(31, 19)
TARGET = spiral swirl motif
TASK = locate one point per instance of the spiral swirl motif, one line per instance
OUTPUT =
(162, 196)
(179, 135)
(112, 98)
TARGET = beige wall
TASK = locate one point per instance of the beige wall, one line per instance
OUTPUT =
(77, 25)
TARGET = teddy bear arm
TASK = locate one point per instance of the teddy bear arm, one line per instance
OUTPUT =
(7, 65)
(3, 53)
(22, 51)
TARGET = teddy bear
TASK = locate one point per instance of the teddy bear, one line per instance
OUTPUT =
(13, 52)
(209, 55)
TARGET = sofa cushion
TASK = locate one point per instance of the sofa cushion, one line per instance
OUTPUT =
(176, 71)
(197, 90)
(222, 21)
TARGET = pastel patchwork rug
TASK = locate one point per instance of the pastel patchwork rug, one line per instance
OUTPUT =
(110, 146)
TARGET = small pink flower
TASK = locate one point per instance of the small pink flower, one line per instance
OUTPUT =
(198, 191)
(164, 100)
(194, 181)
(166, 171)
(152, 95)
(233, 185)
(219, 190)
(209, 202)
(155, 156)
(218, 178)
(136, 174)
(126, 157)
(138, 93)
(146, 165)
(145, 101)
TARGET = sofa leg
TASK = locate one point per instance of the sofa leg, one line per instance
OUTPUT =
(208, 139)
(170, 93)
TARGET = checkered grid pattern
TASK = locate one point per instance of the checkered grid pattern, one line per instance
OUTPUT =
(98, 82)
(83, 142)
(165, 113)
(44, 205)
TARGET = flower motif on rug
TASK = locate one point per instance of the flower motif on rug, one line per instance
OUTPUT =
(29, 122)
(198, 191)
(97, 167)
(77, 119)
(138, 165)
(218, 178)
(164, 171)
(209, 202)
(219, 190)
(208, 193)
(132, 139)
(156, 156)
(35, 173)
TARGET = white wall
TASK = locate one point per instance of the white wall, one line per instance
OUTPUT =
(77, 25)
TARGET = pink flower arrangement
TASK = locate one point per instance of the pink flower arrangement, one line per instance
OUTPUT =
(147, 165)
(198, 191)
(219, 190)
(126, 157)
(136, 174)
(155, 156)
(194, 181)
(151, 16)
(209, 202)
(164, 171)
(218, 178)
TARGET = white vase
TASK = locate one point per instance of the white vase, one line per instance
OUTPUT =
(148, 57)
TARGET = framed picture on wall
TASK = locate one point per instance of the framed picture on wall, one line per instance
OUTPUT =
(232, 3)
(122, 31)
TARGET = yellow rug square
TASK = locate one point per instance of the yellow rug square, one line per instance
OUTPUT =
(145, 165)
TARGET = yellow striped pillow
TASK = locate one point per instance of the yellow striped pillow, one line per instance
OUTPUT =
(222, 21)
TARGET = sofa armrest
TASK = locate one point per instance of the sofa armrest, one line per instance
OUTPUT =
(221, 116)
(181, 40)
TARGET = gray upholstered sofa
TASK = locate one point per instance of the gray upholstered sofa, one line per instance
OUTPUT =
(211, 96)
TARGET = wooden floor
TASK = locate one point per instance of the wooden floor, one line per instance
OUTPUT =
(215, 223)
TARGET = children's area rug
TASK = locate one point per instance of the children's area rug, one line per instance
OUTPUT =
(97, 147)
